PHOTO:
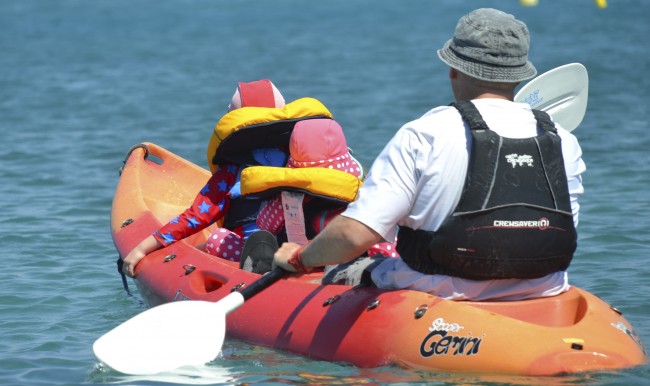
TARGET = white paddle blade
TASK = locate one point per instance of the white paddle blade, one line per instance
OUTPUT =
(167, 337)
(562, 92)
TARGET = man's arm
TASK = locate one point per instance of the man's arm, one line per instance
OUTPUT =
(342, 240)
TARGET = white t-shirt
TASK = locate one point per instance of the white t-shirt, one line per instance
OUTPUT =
(417, 180)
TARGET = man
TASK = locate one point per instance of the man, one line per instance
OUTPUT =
(483, 193)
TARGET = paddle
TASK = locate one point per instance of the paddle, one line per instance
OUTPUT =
(174, 334)
(562, 92)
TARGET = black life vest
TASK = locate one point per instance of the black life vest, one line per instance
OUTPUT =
(514, 216)
(242, 211)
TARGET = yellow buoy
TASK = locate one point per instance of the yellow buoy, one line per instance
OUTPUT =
(601, 3)
(528, 3)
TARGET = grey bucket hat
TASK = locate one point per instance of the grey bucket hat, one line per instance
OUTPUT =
(490, 45)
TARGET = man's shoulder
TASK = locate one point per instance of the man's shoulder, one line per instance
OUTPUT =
(439, 118)
(440, 112)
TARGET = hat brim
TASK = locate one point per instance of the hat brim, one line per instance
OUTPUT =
(485, 71)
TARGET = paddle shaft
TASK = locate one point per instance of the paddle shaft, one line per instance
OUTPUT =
(262, 283)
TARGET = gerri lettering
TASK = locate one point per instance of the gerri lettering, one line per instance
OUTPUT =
(441, 343)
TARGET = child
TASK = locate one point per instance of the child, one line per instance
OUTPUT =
(314, 143)
(214, 201)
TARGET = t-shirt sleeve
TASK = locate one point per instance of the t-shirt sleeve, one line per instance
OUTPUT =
(574, 167)
(387, 193)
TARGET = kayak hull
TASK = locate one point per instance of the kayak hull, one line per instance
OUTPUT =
(368, 327)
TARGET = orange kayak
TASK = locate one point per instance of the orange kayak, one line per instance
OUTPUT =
(367, 327)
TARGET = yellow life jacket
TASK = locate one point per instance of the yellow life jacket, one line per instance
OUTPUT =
(330, 184)
(241, 131)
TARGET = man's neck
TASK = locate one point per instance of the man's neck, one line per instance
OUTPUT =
(490, 95)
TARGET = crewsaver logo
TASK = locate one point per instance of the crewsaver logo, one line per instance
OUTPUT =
(542, 224)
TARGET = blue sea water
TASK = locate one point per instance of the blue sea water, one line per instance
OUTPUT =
(82, 81)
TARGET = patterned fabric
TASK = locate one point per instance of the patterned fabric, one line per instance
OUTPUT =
(343, 163)
(225, 244)
(385, 249)
(209, 206)
(271, 217)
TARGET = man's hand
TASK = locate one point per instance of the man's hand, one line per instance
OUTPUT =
(283, 254)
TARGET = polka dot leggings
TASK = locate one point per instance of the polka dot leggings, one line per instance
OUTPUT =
(384, 249)
(225, 244)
